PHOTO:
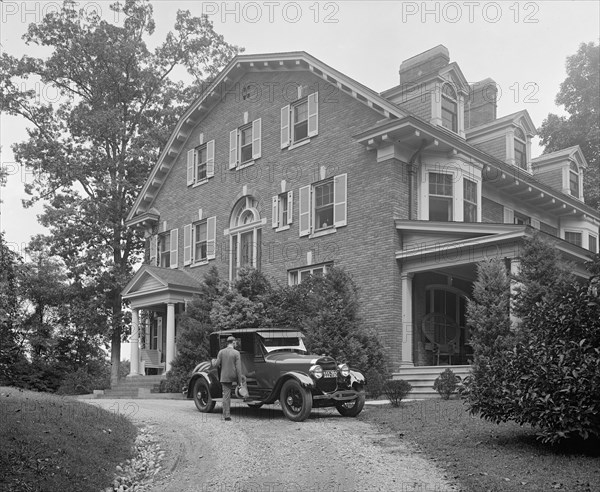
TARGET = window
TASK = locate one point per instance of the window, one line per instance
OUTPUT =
(199, 241)
(521, 219)
(573, 238)
(200, 159)
(245, 236)
(520, 149)
(300, 274)
(283, 205)
(449, 108)
(593, 244)
(201, 163)
(245, 144)
(166, 247)
(574, 180)
(323, 194)
(300, 120)
(323, 205)
(470, 201)
(164, 254)
(440, 197)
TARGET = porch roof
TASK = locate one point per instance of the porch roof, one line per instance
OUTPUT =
(431, 245)
(151, 285)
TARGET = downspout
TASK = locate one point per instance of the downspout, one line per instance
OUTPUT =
(411, 172)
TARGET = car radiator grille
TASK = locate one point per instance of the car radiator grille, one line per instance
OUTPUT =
(327, 385)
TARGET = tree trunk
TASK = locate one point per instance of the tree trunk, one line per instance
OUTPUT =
(115, 340)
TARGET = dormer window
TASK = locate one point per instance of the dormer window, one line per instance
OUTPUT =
(449, 108)
(520, 149)
(574, 180)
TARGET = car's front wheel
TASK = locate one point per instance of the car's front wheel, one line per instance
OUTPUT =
(202, 398)
(353, 407)
(296, 401)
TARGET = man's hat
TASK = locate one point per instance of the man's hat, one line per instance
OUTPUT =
(230, 339)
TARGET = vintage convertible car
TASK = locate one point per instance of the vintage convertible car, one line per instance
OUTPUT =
(278, 367)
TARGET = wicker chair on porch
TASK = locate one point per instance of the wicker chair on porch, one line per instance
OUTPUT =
(150, 359)
(443, 335)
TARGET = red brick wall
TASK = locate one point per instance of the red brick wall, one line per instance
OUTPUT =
(376, 193)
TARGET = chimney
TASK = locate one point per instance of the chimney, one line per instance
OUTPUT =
(423, 64)
(480, 108)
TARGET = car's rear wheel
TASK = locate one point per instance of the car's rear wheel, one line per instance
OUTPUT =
(353, 407)
(296, 401)
(204, 402)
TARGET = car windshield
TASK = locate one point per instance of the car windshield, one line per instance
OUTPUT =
(291, 343)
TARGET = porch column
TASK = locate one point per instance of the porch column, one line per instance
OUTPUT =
(170, 335)
(407, 321)
(134, 367)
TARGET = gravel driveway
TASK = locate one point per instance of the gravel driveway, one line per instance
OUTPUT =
(259, 450)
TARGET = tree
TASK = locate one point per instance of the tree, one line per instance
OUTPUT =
(543, 275)
(92, 151)
(326, 308)
(488, 313)
(10, 312)
(546, 376)
(580, 95)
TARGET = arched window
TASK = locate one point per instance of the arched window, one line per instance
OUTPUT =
(574, 180)
(520, 149)
(449, 108)
(244, 236)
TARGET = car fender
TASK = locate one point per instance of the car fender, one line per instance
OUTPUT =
(356, 378)
(304, 380)
(213, 384)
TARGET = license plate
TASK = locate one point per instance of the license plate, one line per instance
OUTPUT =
(330, 374)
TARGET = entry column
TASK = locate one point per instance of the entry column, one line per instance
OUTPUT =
(170, 335)
(134, 367)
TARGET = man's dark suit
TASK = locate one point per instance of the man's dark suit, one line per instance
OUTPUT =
(228, 359)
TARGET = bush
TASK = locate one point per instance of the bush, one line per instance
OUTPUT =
(396, 390)
(174, 382)
(82, 382)
(375, 382)
(549, 374)
(446, 383)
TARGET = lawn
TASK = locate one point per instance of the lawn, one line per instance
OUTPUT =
(482, 456)
(52, 443)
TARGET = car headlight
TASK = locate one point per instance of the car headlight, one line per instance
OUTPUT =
(344, 370)
(316, 371)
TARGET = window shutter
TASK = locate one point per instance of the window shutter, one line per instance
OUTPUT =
(509, 216)
(285, 126)
(304, 212)
(256, 136)
(275, 211)
(290, 210)
(233, 138)
(313, 114)
(190, 166)
(187, 244)
(153, 249)
(339, 200)
(211, 235)
(210, 159)
(174, 247)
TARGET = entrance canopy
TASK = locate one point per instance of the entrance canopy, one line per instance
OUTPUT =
(153, 285)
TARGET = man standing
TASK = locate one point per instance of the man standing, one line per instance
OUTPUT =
(229, 361)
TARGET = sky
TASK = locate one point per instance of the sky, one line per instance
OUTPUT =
(522, 45)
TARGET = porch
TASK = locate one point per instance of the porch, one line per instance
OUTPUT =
(157, 297)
